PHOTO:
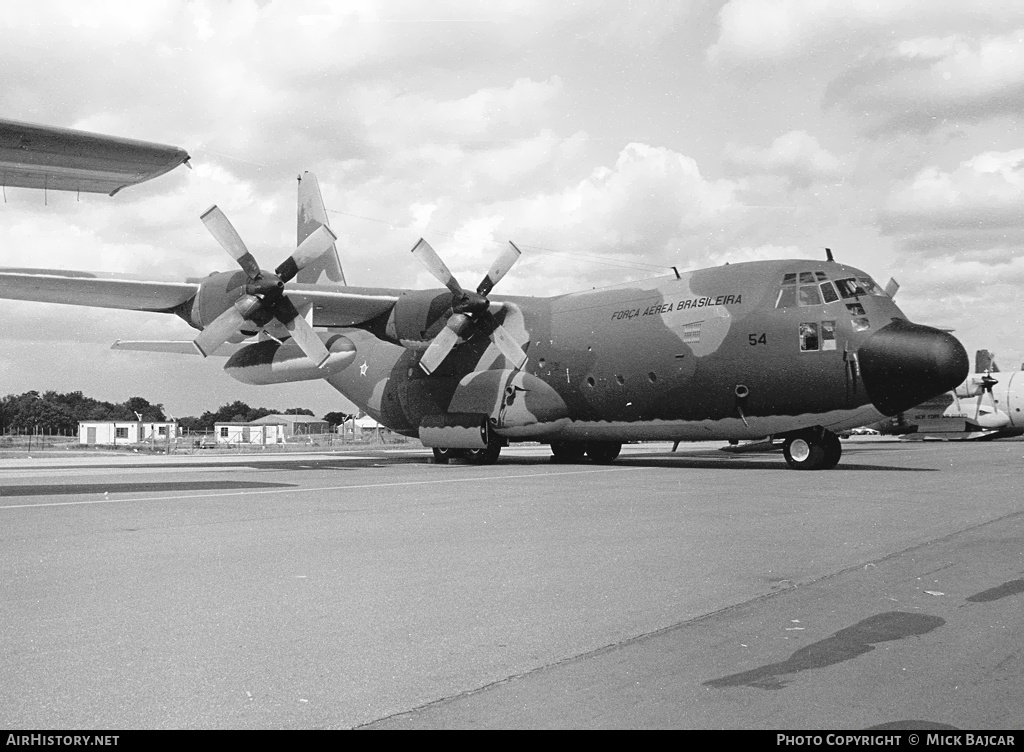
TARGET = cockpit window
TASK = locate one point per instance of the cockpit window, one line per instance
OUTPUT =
(809, 295)
(849, 288)
(869, 286)
(805, 289)
(852, 288)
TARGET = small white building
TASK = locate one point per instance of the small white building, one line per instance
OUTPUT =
(249, 434)
(116, 432)
(297, 425)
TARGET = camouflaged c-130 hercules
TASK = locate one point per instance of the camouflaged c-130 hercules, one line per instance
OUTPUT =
(797, 350)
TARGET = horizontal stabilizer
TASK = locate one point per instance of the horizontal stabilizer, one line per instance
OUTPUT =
(179, 347)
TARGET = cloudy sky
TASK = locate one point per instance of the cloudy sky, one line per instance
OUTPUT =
(608, 139)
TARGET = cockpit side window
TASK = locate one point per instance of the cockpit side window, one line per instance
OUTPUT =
(808, 337)
(787, 293)
(849, 288)
(870, 287)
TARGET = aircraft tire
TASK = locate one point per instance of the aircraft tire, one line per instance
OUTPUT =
(568, 451)
(805, 452)
(486, 456)
(442, 455)
(603, 452)
(833, 450)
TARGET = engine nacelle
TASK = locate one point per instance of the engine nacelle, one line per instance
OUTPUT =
(418, 316)
(217, 293)
(271, 362)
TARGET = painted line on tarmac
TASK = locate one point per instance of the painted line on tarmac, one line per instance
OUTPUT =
(309, 490)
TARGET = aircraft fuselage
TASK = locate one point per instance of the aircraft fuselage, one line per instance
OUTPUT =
(739, 351)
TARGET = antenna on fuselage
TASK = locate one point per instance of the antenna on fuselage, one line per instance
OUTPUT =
(828, 254)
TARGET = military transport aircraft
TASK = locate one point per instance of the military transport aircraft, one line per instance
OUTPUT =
(62, 159)
(797, 350)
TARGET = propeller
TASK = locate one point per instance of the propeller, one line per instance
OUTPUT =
(469, 309)
(263, 298)
(987, 382)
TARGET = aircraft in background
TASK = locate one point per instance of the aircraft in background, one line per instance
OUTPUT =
(987, 405)
(798, 350)
(61, 159)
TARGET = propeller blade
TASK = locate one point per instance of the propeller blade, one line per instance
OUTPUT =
(224, 233)
(222, 328)
(307, 339)
(508, 346)
(443, 343)
(499, 269)
(429, 258)
(310, 249)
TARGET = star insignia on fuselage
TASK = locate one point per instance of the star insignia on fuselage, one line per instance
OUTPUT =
(362, 368)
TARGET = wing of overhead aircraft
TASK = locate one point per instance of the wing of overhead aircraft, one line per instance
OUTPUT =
(62, 159)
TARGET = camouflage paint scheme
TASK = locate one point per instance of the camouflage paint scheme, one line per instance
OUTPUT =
(735, 352)
(613, 364)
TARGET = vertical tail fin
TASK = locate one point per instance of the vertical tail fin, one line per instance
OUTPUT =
(312, 213)
(985, 361)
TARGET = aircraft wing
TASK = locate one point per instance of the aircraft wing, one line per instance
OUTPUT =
(62, 159)
(100, 290)
(332, 306)
(343, 306)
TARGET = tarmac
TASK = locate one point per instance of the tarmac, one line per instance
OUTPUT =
(371, 588)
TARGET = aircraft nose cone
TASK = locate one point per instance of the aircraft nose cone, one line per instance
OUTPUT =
(904, 364)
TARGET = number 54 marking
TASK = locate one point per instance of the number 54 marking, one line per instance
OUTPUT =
(757, 339)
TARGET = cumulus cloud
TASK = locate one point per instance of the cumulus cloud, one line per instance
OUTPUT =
(924, 82)
(796, 156)
(914, 66)
(777, 31)
(983, 193)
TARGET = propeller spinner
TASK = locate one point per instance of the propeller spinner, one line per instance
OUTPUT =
(469, 309)
(263, 298)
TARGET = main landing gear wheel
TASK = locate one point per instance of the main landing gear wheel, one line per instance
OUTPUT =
(813, 450)
(833, 449)
(442, 455)
(603, 452)
(568, 451)
(486, 456)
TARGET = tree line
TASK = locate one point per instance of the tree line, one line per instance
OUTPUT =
(53, 412)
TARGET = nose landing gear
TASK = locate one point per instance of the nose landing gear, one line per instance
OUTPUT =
(812, 449)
